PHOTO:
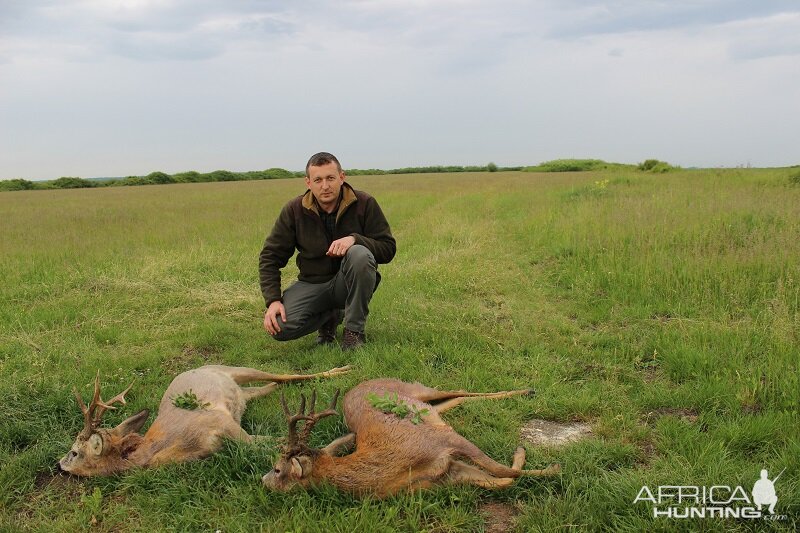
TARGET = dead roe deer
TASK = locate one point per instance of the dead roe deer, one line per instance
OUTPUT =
(393, 453)
(214, 411)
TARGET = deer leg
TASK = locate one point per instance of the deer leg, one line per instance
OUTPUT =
(241, 374)
(461, 472)
(241, 435)
(342, 442)
(519, 459)
(429, 394)
(424, 475)
(465, 448)
(449, 404)
(258, 392)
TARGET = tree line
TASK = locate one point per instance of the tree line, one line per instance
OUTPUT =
(162, 178)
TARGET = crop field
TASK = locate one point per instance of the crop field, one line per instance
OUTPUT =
(661, 310)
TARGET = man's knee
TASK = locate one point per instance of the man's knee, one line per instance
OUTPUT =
(358, 257)
(286, 333)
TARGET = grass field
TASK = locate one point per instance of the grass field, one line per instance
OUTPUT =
(664, 310)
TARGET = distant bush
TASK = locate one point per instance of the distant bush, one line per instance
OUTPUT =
(491, 167)
(223, 175)
(71, 183)
(364, 172)
(16, 185)
(794, 179)
(133, 180)
(269, 174)
(186, 177)
(204, 178)
(571, 165)
(655, 166)
(159, 178)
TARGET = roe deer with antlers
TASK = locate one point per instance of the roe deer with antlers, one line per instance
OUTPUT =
(212, 411)
(393, 453)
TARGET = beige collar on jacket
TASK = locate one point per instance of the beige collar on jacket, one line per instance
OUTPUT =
(348, 199)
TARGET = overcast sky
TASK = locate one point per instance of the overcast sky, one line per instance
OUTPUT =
(125, 87)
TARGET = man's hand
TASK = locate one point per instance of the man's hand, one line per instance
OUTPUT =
(271, 317)
(339, 247)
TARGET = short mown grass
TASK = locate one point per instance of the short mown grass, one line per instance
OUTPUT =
(663, 309)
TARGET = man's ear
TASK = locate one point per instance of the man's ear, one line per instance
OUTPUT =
(132, 424)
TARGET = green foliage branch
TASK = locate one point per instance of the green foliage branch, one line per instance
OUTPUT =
(392, 405)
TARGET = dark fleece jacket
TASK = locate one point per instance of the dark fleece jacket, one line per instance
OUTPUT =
(300, 227)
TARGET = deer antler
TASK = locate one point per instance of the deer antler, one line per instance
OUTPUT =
(97, 407)
(311, 419)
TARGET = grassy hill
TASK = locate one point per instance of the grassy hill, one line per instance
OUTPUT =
(662, 309)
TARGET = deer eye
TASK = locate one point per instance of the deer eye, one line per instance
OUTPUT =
(277, 470)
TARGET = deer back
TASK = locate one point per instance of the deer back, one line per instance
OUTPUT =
(362, 417)
(180, 434)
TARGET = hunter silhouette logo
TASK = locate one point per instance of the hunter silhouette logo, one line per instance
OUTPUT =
(764, 491)
(716, 501)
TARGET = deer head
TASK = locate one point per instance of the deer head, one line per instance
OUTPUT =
(99, 451)
(295, 467)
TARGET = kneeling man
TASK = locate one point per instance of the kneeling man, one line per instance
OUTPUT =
(340, 235)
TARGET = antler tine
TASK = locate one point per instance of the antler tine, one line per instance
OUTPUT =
(335, 397)
(87, 417)
(312, 417)
(313, 402)
(96, 395)
(331, 410)
(285, 407)
(293, 420)
(89, 420)
(109, 404)
(97, 407)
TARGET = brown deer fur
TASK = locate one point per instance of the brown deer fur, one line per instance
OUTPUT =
(177, 434)
(393, 454)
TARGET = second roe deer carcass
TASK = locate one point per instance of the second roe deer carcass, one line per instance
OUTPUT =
(392, 452)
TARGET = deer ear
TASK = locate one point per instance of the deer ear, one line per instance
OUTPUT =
(297, 470)
(132, 424)
(96, 444)
(301, 466)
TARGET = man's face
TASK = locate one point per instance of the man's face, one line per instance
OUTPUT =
(325, 182)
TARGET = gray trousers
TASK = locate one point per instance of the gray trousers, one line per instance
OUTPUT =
(308, 305)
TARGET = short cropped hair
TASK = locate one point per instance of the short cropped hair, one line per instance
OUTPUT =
(322, 158)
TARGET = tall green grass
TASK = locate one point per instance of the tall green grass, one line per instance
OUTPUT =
(661, 309)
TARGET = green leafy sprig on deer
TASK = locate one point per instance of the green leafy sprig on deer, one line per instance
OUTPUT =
(188, 400)
(392, 405)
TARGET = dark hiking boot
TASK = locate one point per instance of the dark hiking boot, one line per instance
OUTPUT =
(327, 333)
(352, 340)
